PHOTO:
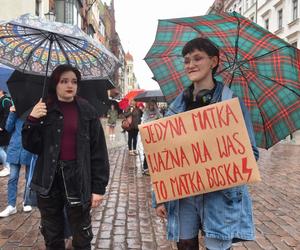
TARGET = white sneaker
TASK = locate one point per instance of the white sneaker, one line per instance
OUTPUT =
(4, 172)
(9, 210)
(27, 208)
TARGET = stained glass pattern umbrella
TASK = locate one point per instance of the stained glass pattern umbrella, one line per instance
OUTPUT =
(34, 45)
(259, 67)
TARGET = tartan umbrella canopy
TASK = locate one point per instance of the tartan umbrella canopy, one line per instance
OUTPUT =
(259, 67)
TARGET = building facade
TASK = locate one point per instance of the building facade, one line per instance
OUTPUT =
(11, 9)
(129, 77)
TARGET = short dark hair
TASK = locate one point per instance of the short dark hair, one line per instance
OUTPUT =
(56, 74)
(201, 44)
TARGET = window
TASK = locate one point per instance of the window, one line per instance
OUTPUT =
(279, 19)
(267, 23)
(37, 7)
(294, 44)
(295, 9)
(91, 31)
(68, 11)
(101, 27)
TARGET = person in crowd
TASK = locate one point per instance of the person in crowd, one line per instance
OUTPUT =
(224, 217)
(112, 116)
(16, 157)
(136, 113)
(163, 109)
(72, 169)
(5, 104)
(151, 113)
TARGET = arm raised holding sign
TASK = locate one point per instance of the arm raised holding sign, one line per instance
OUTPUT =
(224, 215)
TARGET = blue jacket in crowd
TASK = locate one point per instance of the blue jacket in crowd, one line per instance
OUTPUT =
(16, 154)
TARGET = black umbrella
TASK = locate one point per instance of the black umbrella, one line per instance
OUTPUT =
(26, 90)
(150, 95)
(95, 91)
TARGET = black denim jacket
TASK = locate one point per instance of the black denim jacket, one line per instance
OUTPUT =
(43, 138)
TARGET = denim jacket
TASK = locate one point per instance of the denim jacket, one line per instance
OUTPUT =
(227, 213)
(16, 154)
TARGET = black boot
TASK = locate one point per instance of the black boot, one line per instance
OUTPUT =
(189, 244)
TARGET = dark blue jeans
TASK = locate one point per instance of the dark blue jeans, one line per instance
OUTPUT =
(132, 138)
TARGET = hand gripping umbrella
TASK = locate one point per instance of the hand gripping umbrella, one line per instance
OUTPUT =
(34, 45)
(259, 67)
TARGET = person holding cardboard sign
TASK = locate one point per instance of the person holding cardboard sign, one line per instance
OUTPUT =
(223, 216)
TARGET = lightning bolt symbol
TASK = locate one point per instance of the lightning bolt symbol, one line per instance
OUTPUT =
(246, 170)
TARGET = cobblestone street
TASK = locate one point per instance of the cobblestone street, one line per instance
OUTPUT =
(126, 220)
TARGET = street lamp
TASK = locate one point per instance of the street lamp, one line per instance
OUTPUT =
(50, 16)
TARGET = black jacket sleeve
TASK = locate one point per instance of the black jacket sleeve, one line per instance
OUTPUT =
(99, 158)
(32, 137)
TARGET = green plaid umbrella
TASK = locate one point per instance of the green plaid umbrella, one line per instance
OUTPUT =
(259, 67)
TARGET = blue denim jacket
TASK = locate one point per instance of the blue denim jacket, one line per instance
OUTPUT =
(227, 213)
(16, 154)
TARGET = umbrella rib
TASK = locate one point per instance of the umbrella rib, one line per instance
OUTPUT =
(282, 85)
(33, 50)
(62, 49)
(237, 39)
(86, 52)
(266, 54)
(252, 92)
(47, 66)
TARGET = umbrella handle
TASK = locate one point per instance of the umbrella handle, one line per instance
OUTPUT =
(45, 86)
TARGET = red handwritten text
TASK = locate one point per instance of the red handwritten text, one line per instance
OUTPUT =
(230, 144)
(158, 131)
(186, 184)
(167, 159)
(214, 117)
(224, 175)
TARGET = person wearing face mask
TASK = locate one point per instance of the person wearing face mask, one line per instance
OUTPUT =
(224, 216)
(72, 168)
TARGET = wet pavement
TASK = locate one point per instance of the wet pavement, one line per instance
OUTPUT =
(126, 220)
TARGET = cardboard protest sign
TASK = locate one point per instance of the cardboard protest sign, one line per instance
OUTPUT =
(199, 151)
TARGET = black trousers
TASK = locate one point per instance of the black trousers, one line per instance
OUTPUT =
(64, 195)
(132, 138)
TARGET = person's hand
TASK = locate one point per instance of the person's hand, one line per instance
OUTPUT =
(12, 108)
(96, 200)
(39, 110)
(161, 211)
(1, 129)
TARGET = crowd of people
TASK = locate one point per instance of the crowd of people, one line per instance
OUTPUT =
(65, 138)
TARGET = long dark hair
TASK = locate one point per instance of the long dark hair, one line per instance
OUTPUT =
(55, 76)
(201, 44)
